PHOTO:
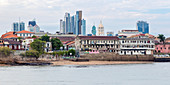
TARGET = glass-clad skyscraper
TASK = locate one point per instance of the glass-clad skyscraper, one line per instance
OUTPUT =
(18, 26)
(73, 24)
(83, 27)
(93, 30)
(22, 26)
(15, 27)
(143, 27)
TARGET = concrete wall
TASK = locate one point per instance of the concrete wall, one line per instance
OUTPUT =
(116, 57)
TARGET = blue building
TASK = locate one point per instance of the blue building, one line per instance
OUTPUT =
(18, 26)
(143, 27)
(73, 30)
(83, 26)
(22, 26)
(110, 33)
(93, 30)
(67, 23)
(33, 27)
(15, 27)
(73, 24)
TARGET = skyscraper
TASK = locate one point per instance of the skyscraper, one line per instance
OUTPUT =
(93, 30)
(61, 26)
(101, 29)
(15, 26)
(73, 24)
(18, 26)
(33, 27)
(67, 23)
(83, 26)
(143, 27)
(78, 22)
(22, 26)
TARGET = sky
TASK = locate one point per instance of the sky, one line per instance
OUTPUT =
(116, 15)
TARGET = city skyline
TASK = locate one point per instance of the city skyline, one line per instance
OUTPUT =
(116, 15)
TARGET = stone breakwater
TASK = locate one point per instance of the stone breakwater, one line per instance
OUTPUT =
(116, 57)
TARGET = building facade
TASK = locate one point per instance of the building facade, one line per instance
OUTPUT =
(101, 29)
(83, 26)
(33, 27)
(97, 43)
(110, 33)
(143, 27)
(18, 26)
(14, 45)
(137, 46)
(24, 34)
(61, 26)
(128, 33)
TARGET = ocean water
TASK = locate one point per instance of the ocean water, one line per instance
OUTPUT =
(128, 74)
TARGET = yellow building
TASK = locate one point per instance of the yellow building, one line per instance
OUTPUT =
(101, 29)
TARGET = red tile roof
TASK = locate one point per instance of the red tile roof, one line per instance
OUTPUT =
(25, 32)
(98, 37)
(10, 36)
(7, 34)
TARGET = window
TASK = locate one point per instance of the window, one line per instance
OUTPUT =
(23, 34)
(123, 41)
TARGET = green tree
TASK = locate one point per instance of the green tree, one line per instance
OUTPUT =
(34, 36)
(72, 51)
(56, 44)
(38, 45)
(162, 38)
(45, 38)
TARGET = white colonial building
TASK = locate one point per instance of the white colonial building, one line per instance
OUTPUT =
(137, 46)
(24, 34)
(97, 43)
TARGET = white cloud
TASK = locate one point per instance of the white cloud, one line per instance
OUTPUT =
(116, 14)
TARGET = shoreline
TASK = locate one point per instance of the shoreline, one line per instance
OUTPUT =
(64, 62)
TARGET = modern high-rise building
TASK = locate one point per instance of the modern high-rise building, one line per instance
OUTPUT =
(93, 30)
(73, 24)
(110, 33)
(18, 26)
(15, 26)
(33, 27)
(22, 26)
(143, 27)
(67, 23)
(101, 29)
(61, 26)
(79, 22)
(83, 27)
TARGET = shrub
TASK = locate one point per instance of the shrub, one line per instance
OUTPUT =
(5, 51)
(32, 53)
(72, 51)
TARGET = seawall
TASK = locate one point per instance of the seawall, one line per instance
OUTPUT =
(116, 57)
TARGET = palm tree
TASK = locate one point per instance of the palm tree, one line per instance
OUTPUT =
(162, 38)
